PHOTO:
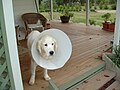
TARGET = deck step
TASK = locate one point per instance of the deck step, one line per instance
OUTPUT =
(97, 81)
(114, 86)
(87, 71)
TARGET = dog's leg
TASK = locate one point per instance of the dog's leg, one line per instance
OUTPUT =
(33, 68)
(46, 76)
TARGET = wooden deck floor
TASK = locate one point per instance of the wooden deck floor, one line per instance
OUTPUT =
(88, 43)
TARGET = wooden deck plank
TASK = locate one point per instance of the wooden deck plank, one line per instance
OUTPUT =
(88, 43)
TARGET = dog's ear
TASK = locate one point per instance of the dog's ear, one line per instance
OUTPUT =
(55, 46)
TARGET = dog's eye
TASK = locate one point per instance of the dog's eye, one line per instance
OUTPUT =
(45, 44)
(52, 43)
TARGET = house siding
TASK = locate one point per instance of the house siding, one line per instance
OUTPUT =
(22, 6)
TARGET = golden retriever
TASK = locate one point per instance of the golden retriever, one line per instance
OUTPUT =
(46, 46)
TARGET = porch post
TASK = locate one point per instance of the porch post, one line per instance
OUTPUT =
(10, 45)
(87, 12)
(51, 9)
(117, 25)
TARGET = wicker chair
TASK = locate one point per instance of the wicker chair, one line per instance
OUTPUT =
(32, 18)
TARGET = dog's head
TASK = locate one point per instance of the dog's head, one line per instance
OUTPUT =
(47, 46)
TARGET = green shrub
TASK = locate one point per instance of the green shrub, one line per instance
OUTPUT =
(116, 56)
(92, 10)
(106, 17)
(106, 7)
(101, 6)
(77, 7)
(67, 13)
(95, 7)
(92, 22)
(113, 6)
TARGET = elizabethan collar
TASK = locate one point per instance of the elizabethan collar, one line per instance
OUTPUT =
(63, 52)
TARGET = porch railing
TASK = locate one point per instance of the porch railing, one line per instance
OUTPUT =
(4, 73)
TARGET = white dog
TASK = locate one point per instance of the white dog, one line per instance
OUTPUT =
(46, 46)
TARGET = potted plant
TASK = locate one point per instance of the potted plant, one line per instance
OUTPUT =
(106, 18)
(113, 61)
(65, 17)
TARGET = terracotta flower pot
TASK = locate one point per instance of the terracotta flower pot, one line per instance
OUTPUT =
(108, 26)
(105, 25)
(111, 27)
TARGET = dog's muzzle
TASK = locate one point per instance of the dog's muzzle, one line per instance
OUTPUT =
(51, 53)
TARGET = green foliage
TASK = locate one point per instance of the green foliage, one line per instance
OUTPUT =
(67, 13)
(92, 10)
(44, 6)
(95, 7)
(116, 56)
(77, 7)
(101, 6)
(112, 20)
(113, 1)
(113, 7)
(60, 8)
(59, 2)
(80, 17)
(92, 22)
(55, 6)
(106, 17)
(73, 7)
(106, 7)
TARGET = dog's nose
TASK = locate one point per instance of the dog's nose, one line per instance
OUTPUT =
(51, 52)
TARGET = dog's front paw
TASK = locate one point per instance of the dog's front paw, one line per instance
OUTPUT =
(47, 77)
(32, 80)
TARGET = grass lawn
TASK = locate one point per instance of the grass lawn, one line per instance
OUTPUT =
(79, 17)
